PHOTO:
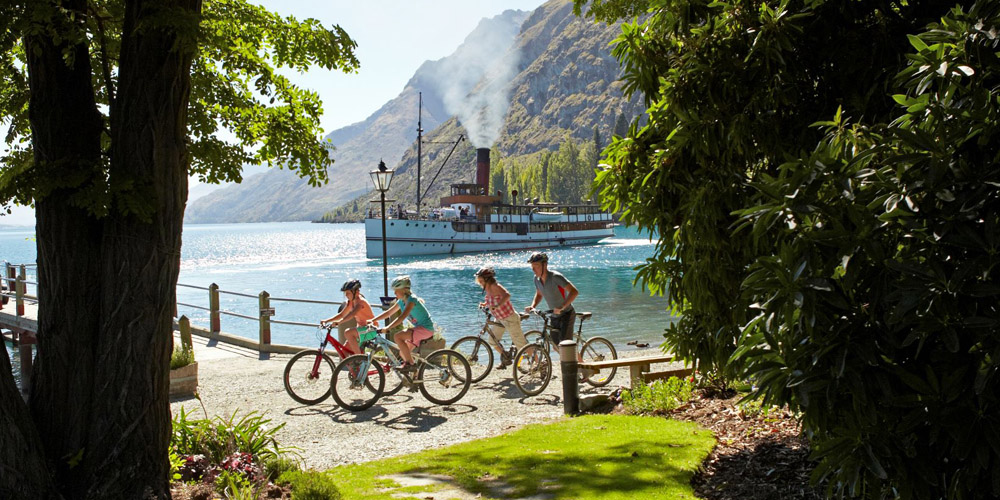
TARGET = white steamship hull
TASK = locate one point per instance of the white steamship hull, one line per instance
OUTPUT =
(431, 237)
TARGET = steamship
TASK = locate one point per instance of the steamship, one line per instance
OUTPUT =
(473, 220)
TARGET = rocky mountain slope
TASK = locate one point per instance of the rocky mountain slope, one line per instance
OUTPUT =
(566, 85)
(280, 195)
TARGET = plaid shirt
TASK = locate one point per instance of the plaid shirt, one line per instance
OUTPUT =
(500, 311)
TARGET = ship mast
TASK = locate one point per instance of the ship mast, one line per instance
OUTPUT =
(420, 132)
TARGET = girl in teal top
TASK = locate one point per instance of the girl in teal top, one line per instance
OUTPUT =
(412, 307)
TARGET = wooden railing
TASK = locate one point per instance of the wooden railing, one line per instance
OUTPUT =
(24, 326)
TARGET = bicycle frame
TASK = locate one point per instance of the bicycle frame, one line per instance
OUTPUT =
(342, 350)
(490, 321)
(547, 328)
(387, 347)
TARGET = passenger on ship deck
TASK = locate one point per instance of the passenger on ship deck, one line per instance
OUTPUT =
(558, 293)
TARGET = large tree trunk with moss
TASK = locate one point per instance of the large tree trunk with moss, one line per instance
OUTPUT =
(99, 404)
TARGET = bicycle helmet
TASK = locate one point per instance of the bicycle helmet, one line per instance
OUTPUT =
(486, 272)
(538, 257)
(351, 284)
(400, 282)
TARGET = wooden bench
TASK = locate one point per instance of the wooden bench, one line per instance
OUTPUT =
(639, 367)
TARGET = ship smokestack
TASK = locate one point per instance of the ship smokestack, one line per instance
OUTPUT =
(483, 168)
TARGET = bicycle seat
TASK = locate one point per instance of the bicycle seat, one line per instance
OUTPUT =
(584, 315)
(524, 316)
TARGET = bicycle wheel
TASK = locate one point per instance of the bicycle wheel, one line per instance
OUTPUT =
(533, 337)
(479, 355)
(308, 377)
(533, 369)
(393, 382)
(445, 377)
(356, 391)
(599, 349)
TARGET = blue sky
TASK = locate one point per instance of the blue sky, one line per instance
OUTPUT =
(394, 38)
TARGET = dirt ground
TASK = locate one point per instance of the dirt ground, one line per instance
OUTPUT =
(759, 456)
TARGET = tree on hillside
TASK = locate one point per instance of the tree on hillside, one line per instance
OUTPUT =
(111, 104)
(822, 176)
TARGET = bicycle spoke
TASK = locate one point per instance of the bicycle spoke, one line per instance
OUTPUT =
(534, 369)
(356, 387)
(444, 377)
(308, 376)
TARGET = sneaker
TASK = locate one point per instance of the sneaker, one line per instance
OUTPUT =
(505, 360)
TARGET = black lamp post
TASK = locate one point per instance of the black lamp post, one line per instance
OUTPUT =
(381, 178)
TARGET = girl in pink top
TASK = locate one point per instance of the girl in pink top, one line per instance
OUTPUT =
(497, 298)
(356, 312)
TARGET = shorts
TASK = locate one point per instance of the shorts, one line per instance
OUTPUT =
(420, 334)
(562, 326)
(343, 327)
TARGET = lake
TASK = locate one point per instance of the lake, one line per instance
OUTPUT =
(310, 261)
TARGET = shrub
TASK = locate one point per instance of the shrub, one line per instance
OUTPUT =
(660, 396)
(221, 437)
(310, 485)
(236, 486)
(180, 358)
(276, 466)
(877, 303)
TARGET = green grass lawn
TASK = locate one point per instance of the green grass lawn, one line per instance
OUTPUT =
(594, 456)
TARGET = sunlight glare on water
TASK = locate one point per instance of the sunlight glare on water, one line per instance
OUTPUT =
(310, 261)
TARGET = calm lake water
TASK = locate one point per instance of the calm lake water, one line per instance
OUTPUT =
(310, 261)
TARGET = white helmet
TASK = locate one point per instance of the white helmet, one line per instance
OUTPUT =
(401, 282)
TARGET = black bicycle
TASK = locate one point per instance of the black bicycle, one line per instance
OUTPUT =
(533, 363)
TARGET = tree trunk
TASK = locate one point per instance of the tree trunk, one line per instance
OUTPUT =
(130, 428)
(106, 285)
(23, 471)
(65, 129)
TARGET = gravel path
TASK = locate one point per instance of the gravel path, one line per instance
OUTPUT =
(231, 379)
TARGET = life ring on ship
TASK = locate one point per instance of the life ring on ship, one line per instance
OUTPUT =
(590, 218)
(505, 218)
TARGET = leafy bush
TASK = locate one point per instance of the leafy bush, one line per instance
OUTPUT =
(236, 486)
(310, 485)
(219, 438)
(878, 303)
(823, 237)
(659, 396)
(180, 358)
(276, 466)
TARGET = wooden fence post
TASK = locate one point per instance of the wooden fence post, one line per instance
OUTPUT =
(8, 272)
(19, 294)
(264, 339)
(184, 325)
(26, 342)
(215, 324)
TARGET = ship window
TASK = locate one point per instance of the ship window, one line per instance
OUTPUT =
(407, 224)
(392, 223)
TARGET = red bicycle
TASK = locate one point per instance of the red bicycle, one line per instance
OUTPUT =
(309, 374)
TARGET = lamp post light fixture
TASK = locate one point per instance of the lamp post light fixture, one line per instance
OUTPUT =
(382, 178)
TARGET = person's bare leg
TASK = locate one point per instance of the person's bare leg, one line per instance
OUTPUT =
(352, 340)
(403, 339)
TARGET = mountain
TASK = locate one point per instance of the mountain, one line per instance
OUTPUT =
(565, 85)
(280, 195)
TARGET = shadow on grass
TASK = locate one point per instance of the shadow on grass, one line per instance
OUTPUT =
(571, 461)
